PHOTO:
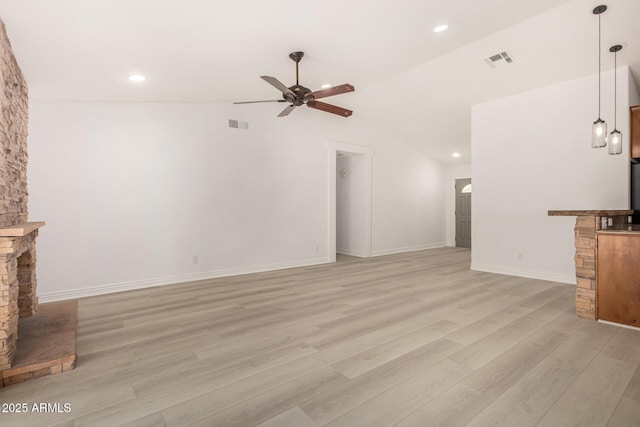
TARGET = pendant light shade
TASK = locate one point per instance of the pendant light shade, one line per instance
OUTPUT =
(599, 134)
(599, 128)
(615, 138)
(615, 142)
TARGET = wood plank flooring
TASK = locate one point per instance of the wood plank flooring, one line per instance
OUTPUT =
(412, 339)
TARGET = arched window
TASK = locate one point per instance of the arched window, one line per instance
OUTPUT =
(466, 188)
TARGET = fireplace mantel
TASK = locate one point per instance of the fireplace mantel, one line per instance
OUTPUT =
(20, 230)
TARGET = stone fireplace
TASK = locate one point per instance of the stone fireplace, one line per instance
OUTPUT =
(31, 345)
(17, 248)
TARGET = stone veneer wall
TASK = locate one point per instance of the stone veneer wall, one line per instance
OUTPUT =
(17, 254)
(585, 258)
(14, 117)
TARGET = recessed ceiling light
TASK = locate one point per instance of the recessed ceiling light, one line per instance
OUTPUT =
(440, 28)
(326, 86)
(456, 154)
(137, 78)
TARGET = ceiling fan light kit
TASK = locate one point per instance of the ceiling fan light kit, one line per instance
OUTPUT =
(298, 95)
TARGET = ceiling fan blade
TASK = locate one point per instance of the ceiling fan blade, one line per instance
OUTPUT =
(287, 111)
(255, 102)
(329, 108)
(278, 85)
(336, 90)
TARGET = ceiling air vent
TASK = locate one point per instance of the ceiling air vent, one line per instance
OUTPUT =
(237, 124)
(501, 58)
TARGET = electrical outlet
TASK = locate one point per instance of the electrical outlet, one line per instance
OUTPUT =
(196, 259)
(520, 256)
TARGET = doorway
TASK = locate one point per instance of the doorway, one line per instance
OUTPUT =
(463, 213)
(350, 188)
(350, 178)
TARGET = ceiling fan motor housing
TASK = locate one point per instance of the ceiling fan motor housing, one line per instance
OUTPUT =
(300, 92)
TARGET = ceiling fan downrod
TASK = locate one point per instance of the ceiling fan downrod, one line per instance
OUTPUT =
(296, 57)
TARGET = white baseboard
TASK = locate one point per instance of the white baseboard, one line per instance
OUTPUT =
(409, 249)
(171, 280)
(498, 269)
(620, 325)
(350, 253)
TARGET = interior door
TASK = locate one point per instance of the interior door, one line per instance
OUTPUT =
(463, 213)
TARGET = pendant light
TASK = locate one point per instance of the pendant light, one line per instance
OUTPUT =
(615, 137)
(599, 128)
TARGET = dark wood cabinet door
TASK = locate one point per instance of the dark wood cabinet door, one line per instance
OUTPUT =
(618, 278)
(635, 132)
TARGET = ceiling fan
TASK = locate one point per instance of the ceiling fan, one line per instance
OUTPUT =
(298, 95)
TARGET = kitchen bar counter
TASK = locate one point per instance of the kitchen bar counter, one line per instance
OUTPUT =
(588, 225)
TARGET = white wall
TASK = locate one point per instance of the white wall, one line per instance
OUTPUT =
(350, 205)
(408, 197)
(133, 192)
(531, 154)
(453, 173)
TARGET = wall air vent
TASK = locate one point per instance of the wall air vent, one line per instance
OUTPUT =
(501, 58)
(236, 124)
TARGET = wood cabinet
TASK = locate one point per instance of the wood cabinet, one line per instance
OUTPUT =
(618, 278)
(635, 132)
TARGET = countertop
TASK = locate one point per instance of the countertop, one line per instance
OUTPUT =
(610, 212)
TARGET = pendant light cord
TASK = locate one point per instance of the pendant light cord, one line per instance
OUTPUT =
(599, 63)
(615, 90)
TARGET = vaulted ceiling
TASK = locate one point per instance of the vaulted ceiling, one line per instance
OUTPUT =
(414, 83)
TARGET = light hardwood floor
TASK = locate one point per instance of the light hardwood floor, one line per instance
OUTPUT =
(412, 339)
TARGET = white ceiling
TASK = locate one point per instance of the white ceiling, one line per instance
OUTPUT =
(411, 82)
